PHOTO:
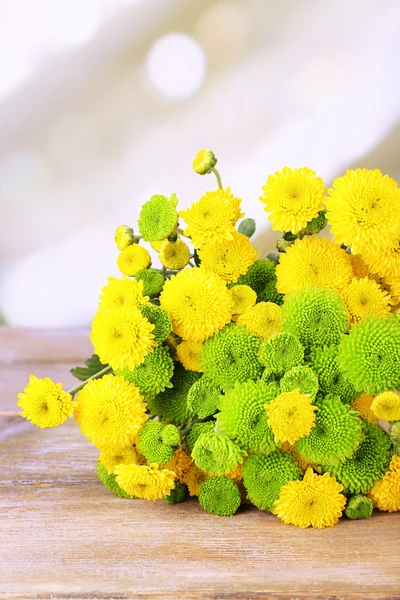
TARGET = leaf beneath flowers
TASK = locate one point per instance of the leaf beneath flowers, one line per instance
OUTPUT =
(93, 366)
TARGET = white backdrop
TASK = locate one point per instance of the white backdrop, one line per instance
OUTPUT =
(103, 104)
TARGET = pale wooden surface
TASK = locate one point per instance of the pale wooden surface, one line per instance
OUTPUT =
(63, 535)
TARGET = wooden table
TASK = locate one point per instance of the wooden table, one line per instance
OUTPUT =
(63, 535)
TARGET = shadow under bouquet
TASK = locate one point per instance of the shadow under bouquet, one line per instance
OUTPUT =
(235, 378)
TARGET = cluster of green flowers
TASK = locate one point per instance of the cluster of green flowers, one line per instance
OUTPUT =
(237, 378)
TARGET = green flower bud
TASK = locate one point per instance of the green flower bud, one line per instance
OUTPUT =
(204, 162)
(394, 432)
(359, 507)
(285, 241)
(123, 237)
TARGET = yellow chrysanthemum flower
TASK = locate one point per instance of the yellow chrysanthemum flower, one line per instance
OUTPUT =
(213, 217)
(132, 259)
(147, 482)
(386, 406)
(364, 210)
(110, 412)
(363, 405)
(386, 263)
(236, 475)
(124, 237)
(125, 456)
(243, 298)
(363, 298)
(198, 303)
(156, 244)
(122, 293)
(180, 464)
(301, 462)
(291, 416)
(187, 353)
(390, 285)
(315, 501)
(386, 493)
(293, 197)
(194, 478)
(228, 258)
(360, 269)
(172, 342)
(45, 403)
(122, 338)
(174, 255)
(313, 262)
(263, 319)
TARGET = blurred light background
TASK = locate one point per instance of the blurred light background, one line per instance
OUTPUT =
(105, 102)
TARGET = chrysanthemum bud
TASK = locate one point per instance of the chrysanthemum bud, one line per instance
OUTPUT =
(285, 241)
(204, 162)
(123, 237)
(394, 431)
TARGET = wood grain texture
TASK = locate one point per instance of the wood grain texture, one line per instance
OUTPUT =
(63, 535)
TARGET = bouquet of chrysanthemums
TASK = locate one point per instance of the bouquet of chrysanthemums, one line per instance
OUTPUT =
(240, 378)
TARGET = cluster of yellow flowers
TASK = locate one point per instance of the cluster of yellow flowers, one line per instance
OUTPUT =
(238, 378)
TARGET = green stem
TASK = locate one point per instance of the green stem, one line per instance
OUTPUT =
(75, 389)
(180, 231)
(191, 264)
(189, 426)
(218, 176)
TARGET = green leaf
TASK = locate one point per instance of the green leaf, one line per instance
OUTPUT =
(197, 260)
(247, 227)
(93, 366)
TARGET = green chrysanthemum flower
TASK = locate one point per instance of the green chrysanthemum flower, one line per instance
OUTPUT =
(317, 316)
(331, 380)
(264, 475)
(108, 480)
(172, 403)
(231, 355)
(371, 460)
(203, 397)
(359, 507)
(243, 417)
(197, 430)
(220, 496)
(157, 442)
(370, 355)
(153, 375)
(300, 378)
(316, 224)
(281, 352)
(158, 218)
(216, 454)
(261, 277)
(178, 494)
(336, 435)
(159, 318)
(153, 281)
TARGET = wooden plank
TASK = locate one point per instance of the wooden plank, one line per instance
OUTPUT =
(14, 379)
(44, 353)
(63, 535)
(43, 345)
(61, 520)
